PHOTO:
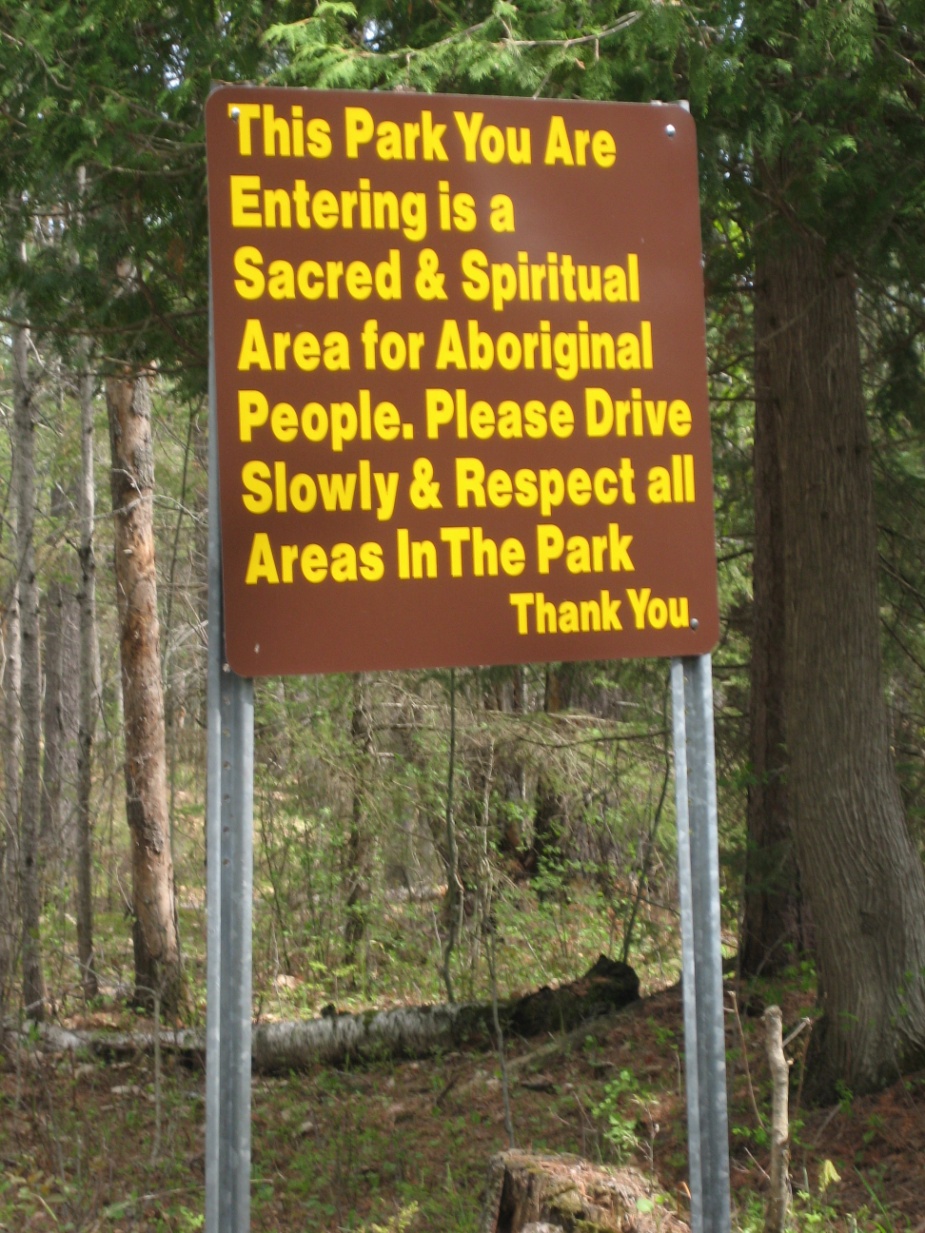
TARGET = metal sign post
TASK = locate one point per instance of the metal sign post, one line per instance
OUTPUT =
(229, 885)
(701, 958)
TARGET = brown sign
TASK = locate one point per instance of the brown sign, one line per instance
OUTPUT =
(461, 381)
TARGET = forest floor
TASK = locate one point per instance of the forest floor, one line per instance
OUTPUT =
(88, 1146)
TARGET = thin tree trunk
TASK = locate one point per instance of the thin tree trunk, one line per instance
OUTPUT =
(33, 981)
(511, 839)
(779, 1185)
(359, 840)
(859, 869)
(11, 754)
(157, 948)
(52, 718)
(88, 689)
(173, 703)
(549, 814)
(455, 890)
(60, 714)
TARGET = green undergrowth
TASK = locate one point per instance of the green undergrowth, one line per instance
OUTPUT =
(545, 933)
(88, 1146)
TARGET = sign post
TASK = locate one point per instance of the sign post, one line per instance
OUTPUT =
(229, 886)
(701, 957)
(461, 418)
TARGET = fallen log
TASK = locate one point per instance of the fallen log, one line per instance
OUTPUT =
(406, 1032)
(528, 1192)
(418, 1031)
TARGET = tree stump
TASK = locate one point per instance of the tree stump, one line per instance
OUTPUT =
(565, 1194)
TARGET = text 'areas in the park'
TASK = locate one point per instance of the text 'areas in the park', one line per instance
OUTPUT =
(460, 381)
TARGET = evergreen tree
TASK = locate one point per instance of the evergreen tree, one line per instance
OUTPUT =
(833, 203)
(811, 122)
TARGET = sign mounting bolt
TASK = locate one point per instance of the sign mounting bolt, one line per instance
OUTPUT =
(670, 130)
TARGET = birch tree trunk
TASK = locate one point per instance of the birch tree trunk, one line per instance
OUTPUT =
(779, 1185)
(156, 939)
(33, 981)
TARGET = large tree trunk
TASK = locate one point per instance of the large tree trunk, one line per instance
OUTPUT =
(33, 980)
(157, 949)
(859, 869)
(772, 930)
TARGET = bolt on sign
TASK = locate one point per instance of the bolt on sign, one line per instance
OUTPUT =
(460, 380)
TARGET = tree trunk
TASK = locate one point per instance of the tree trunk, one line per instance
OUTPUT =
(406, 1031)
(779, 1182)
(549, 812)
(359, 839)
(157, 948)
(50, 829)
(33, 980)
(772, 930)
(60, 714)
(11, 754)
(859, 869)
(88, 690)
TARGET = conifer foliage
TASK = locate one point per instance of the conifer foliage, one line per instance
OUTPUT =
(812, 143)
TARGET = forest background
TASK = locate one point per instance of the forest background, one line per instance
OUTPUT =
(431, 835)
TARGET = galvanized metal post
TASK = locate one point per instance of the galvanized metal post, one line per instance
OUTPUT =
(701, 955)
(229, 891)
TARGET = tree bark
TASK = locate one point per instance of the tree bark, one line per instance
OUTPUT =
(530, 1191)
(549, 813)
(11, 754)
(60, 714)
(359, 839)
(33, 980)
(407, 1031)
(420, 1031)
(772, 932)
(779, 1185)
(156, 940)
(859, 869)
(88, 690)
